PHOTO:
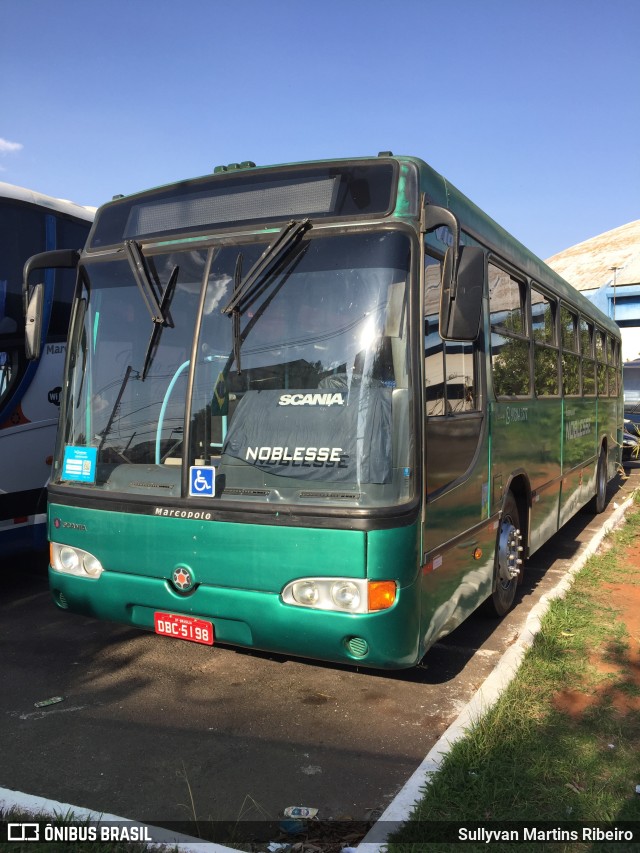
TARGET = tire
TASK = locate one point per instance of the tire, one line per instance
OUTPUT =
(507, 570)
(600, 500)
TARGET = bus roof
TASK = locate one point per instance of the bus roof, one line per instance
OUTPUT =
(59, 205)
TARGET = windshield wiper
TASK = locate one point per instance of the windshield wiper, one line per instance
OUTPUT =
(165, 302)
(257, 279)
(145, 283)
(247, 290)
(159, 310)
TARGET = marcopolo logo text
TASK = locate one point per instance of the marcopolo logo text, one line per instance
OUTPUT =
(197, 515)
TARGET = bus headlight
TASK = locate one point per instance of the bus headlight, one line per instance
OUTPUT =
(345, 595)
(74, 561)
(305, 592)
(92, 565)
(68, 559)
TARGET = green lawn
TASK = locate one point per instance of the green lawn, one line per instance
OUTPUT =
(563, 741)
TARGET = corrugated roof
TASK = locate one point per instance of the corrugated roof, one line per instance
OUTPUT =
(588, 265)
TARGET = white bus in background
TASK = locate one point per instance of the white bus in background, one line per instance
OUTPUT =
(29, 390)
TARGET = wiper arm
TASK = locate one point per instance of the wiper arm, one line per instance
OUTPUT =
(245, 292)
(143, 280)
(165, 302)
(159, 311)
(256, 280)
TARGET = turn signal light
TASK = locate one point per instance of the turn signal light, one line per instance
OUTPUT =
(382, 595)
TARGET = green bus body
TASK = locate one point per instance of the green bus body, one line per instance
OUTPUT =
(487, 457)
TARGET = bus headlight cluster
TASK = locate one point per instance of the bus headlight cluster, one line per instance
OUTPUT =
(74, 561)
(347, 595)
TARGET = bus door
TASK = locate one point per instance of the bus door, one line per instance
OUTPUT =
(458, 538)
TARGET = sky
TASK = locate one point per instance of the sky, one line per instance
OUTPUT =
(530, 107)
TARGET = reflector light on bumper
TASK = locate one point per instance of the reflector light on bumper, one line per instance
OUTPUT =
(74, 561)
(345, 595)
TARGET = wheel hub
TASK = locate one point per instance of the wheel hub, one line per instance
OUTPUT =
(509, 550)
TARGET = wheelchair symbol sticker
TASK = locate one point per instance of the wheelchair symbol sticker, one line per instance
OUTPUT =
(202, 481)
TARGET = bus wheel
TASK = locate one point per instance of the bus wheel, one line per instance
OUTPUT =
(600, 500)
(508, 562)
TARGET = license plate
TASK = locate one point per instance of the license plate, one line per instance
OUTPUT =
(184, 628)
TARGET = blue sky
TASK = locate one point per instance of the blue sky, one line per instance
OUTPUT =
(530, 107)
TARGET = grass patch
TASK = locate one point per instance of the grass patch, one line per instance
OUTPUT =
(562, 743)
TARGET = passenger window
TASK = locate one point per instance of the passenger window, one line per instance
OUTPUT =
(570, 356)
(586, 339)
(568, 322)
(543, 318)
(601, 367)
(588, 363)
(545, 354)
(509, 334)
(612, 369)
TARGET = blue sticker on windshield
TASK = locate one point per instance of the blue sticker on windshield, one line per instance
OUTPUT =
(79, 464)
(202, 481)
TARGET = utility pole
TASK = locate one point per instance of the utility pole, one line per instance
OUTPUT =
(615, 277)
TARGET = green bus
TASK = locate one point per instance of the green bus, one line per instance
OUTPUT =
(322, 409)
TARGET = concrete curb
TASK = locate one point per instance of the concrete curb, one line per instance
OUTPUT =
(39, 805)
(400, 809)
(403, 804)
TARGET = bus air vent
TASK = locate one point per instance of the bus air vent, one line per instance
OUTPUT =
(137, 485)
(332, 496)
(261, 493)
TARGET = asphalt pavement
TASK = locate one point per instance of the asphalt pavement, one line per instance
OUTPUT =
(162, 731)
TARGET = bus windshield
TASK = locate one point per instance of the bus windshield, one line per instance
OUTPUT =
(300, 395)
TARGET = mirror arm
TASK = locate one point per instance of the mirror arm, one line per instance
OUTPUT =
(433, 216)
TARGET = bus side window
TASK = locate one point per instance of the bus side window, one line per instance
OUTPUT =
(601, 356)
(588, 363)
(570, 357)
(612, 358)
(449, 368)
(545, 350)
(510, 345)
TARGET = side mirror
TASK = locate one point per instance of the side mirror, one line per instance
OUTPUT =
(461, 296)
(33, 322)
(33, 298)
(463, 275)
